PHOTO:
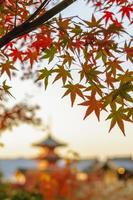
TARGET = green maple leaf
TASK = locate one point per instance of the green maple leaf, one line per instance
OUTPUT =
(50, 53)
(117, 116)
(123, 92)
(6, 88)
(74, 90)
(44, 75)
(62, 73)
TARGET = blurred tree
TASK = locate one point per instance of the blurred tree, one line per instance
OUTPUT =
(19, 113)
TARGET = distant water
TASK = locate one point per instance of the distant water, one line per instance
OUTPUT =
(9, 166)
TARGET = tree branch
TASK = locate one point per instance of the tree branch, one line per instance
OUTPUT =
(27, 27)
(37, 11)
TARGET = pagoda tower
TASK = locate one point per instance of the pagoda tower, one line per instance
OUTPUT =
(48, 153)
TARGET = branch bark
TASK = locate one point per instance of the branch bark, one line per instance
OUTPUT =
(27, 27)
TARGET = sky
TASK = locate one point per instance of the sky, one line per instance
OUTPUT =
(89, 138)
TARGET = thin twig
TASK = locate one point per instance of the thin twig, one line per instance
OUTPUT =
(45, 3)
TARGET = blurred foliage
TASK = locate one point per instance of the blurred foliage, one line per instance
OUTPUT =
(23, 195)
(8, 193)
(19, 113)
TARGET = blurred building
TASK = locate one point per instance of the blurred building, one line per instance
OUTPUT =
(48, 155)
(117, 168)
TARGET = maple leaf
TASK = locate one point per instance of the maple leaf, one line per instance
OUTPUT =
(117, 116)
(78, 44)
(95, 88)
(93, 105)
(94, 23)
(63, 24)
(50, 53)
(110, 79)
(67, 58)
(126, 11)
(123, 92)
(62, 73)
(98, 4)
(89, 72)
(105, 48)
(9, 19)
(113, 66)
(128, 49)
(85, 72)
(44, 74)
(42, 42)
(114, 28)
(129, 112)
(73, 90)
(7, 67)
(126, 77)
(108, 16)
(31, 55)
(76, 30)
(16, 54)
(6, 88)
(117, 23)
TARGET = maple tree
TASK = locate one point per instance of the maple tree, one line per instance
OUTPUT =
(92, 58)
(19, 113)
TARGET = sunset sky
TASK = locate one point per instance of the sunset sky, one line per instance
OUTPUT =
(87, 137)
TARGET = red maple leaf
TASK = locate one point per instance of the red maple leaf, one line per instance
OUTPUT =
(93, 105)
(108, 16)
(78, 44)
(15, 54)
(126, 11)
(31, 56)
(118, 24)
(98, 4)
(42, 42)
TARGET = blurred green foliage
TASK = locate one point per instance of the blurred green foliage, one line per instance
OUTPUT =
(8, 193)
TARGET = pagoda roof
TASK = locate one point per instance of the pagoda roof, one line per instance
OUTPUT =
(124, 162)
(49, 142)
(86, 165)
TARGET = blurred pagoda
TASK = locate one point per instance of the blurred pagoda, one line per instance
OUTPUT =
(48, 146)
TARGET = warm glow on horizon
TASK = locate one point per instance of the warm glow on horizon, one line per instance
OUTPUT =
(88, 138)
(18, 143)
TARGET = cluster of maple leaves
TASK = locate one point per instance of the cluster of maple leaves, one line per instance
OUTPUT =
(91, 58)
